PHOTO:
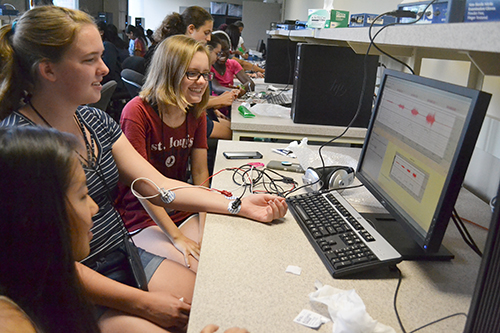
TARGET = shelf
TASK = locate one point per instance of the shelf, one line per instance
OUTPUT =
(477, 42)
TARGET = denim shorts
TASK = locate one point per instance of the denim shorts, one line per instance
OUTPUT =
(115, 266)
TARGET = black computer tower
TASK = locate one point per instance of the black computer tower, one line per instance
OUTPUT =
(280, 61)
(327, 85)
(484, 310)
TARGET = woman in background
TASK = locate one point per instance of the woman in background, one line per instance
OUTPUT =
(39, 245)
(194, 22)
(138, 46)
(226, 69)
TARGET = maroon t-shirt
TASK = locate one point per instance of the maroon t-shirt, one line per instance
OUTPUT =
(168, 152)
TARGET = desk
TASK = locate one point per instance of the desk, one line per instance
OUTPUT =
(285, 128)
(242, 282)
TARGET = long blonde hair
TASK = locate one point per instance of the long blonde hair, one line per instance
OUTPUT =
(168, 67)
(42, 33)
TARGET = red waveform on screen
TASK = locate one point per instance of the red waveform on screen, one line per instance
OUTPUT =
(431, 119)
(414, 112)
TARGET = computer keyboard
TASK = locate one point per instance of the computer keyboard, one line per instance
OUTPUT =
(343, 239)
(279, 98)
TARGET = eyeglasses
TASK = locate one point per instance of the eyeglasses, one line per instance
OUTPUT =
(195, 76)
(222, 53)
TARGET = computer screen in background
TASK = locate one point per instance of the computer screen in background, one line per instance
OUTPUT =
(416, 152)
(280, 60)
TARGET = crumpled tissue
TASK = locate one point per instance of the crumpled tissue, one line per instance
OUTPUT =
(309, 158)
(347, 311)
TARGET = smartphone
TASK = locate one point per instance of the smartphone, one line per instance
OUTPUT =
(285, 166)
(233, 155)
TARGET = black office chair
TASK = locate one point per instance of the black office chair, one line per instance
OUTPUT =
(133, 81)
(107, 91)
(135, 63)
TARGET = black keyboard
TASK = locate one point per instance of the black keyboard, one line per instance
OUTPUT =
(343, 239)
(279, 98)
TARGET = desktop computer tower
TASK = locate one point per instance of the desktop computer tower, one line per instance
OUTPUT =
(327, 85)
(280, 60)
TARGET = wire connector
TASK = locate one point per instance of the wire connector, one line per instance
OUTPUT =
(234, 206)
(167, 196)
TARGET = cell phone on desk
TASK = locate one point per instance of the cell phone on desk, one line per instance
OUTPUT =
(240, 155)
(285, 166)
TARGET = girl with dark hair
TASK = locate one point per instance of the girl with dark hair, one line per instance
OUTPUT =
(51, 68)
(46, 220)
(194, 22)
(138, 45)
(226, 69)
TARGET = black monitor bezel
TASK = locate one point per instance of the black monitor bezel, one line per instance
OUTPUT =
(466, 144)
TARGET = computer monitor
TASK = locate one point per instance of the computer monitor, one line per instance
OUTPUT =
(417, 148)
(280, 60)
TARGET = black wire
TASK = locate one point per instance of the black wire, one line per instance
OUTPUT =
(400, 278)
(438, 320)
(365, 70)
(272, 187)
(465, 233)
(372, 39)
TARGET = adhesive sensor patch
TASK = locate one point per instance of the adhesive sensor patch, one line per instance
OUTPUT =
(167, 196)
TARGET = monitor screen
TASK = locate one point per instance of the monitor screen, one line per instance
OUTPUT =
(418, 145)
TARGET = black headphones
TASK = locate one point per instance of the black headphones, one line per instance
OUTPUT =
(330, 177)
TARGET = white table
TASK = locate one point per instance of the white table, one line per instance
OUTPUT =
(241, 278)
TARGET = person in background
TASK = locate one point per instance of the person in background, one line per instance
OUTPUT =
(194, 22)
(166, 124)
(254, 70)
(48, 84)
(226, 69)
(218, 125)
(117, 41)
(241, 43)
(137, 45)
(150, 39)
(110, 56)
(39, 245)
(234, 33)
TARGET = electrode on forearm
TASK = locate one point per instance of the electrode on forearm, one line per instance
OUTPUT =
(167, 196)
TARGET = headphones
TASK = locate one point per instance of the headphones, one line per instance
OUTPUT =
(330, 177)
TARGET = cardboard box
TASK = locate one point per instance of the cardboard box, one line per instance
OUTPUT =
(365, 20)
(323, 18)
(481, 11)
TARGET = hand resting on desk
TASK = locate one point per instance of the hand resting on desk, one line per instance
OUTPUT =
(263, 207)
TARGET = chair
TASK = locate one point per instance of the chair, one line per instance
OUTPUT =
(133, 81)
(107, 91)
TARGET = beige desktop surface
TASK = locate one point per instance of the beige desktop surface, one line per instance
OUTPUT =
(242, 282)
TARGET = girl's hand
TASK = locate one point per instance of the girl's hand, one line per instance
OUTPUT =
(263, 207)
(187, 247)
(165, 310)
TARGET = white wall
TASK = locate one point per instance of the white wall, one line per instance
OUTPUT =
(154, 11)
